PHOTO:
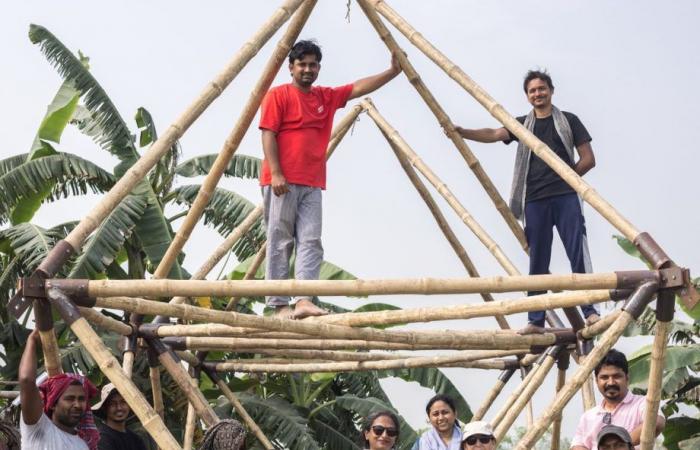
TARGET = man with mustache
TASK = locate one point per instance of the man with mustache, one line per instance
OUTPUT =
(56, 414)
(619, 407)
(539, 196)
(114, 411)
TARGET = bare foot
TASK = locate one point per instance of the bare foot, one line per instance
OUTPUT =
(593, 318)
(531, 328)
(305, 308)
(284, 312)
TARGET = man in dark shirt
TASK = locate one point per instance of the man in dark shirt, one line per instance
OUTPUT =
(114, 411)
(540, 197)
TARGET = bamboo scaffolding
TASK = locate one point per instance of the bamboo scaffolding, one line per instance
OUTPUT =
(106, 323)
(493, 393)
(49, 343)
(234, 138)
(556, 424)
(330, 355)
(513, 397)
(250, 273)
(587, 394)
(599, 327)
(502, 307)
(218, 330)
(149, 418)
(190, 424)
(9, 395)
(156, 388)
(539, 374)
(446, 123)
(630, 312)
(253, 345)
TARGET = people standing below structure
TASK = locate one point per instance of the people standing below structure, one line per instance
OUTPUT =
(445, 433)
(380, 431)
(296, 122)
(478, 435)
(114, 412)
(55, 415)
(539, 196)
(619, 406)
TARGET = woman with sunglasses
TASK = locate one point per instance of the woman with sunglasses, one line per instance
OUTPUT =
(444, 433)
(478, 435)
(380, 431)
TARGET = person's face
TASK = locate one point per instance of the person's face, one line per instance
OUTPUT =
(479, 441)
(117, 410)
(538, 93)
(612, 383)
(381, 441)
(70, 407)
(441, 416)
(612, 442)
(305, 70)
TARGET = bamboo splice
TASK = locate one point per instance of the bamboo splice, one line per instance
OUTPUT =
(502, 307)
(422, 286)
(140, 169)
(538, 147)
(632, 310)
(446, 123)
(234, 138)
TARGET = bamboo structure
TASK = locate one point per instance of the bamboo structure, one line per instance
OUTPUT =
(190, 424)
(513, 397)
(492, 394)
(562, 365)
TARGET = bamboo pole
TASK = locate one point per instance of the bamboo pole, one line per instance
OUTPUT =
(234, 138)
(597, 328)
(513, 396)
(190, 424)
(423, 286)
(556, 424)
(528, 391)
(538, 147)
(105, 322)
(49, 343)
(250, 273)
(633, 308)
(492, 394)
(587, 394)
(502, 307)
(243, 345)
(446, 123)
(149, 418)
(330, 355)
(9, 395)
(156, 388)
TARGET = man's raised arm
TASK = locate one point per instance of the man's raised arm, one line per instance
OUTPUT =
(32, 406)
(374, 82)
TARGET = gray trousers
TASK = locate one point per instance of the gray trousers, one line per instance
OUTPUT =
(293, 220)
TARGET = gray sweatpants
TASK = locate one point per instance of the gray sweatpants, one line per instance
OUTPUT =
(293, 218)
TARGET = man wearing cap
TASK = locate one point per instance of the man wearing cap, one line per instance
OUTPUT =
(114, 411)
(56, 414)
(478, 434)
(619, 407)
(612, 437)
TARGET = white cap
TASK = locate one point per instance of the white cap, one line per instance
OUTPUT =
(478, 427)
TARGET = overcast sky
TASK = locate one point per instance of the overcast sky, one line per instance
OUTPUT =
(628, 70)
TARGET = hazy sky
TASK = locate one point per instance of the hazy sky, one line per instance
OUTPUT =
(627, 69)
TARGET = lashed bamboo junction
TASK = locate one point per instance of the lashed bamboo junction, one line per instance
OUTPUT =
(352, 342)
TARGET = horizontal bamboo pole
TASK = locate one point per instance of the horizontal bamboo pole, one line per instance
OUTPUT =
(446, 123)
(234, 138)
(218, 330)
(424, 286)
(502, 307)
(9, 395)
(526, 137)
(140, 169)
(259, 345)
(106, 323)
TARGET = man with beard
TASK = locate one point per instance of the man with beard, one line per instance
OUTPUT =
(619, 407)
(56, 414)
(114, 411)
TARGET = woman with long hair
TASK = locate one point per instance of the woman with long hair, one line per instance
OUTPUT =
(444, 433)
(380, 431)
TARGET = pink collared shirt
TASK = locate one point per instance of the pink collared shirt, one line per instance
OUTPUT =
(629, 414)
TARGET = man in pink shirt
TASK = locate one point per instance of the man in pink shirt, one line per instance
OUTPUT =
(619, 407)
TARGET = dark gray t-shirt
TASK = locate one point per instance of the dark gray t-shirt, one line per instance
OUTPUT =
(542, 181)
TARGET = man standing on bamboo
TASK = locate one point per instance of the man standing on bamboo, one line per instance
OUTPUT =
(296, 122)
(539, 196)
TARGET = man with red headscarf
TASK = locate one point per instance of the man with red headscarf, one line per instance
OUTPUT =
(56, 415)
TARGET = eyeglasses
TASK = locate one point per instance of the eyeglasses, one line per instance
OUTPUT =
(471, 440)
(607, 418)
(378, 430)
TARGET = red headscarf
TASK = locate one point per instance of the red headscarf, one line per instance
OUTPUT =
(52, 389)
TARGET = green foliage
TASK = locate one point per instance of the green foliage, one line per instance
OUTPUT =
(240, 166)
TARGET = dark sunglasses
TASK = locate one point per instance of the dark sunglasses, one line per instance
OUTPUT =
(471, 440)
(378, 430)
(607, 418)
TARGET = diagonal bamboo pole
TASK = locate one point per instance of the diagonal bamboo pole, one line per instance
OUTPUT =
(106, 323)
(633, 308)
(234, 138)
(492, 395)
(149, 418)
(599, 327)
(498, 417)
(445, 122)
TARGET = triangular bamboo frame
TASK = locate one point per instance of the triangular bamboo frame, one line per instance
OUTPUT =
(315, 343)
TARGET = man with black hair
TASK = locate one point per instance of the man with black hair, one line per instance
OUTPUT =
(296, 121)
(539, 196)
(114, 412)
(619, 407)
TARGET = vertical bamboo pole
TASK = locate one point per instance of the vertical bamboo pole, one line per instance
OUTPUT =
(190, 422)
(562, 366)
(664, 315)
(492, 394)
(49, 343)
(633, 308)
(445, 122)
(587, 394)
(156, 389)
(234, 138)
(109, 366)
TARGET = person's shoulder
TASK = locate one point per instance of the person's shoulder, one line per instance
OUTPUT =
(570, 116)
(281, 90)
(521, 119)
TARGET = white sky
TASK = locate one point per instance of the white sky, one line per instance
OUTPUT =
(628, 70)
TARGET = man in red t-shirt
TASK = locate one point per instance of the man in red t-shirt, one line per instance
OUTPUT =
(296, 122)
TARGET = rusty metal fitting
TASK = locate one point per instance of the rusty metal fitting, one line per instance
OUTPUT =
(640, 298)
(554, 351)
(76, 289)
(620, 294)
(574, 318)
(584, 346)
(651, 251)
(152, 357)
(63, 304)
(149, 330)
(175, 342)
(209, 368)
(563, 360)
(156, 345)
(55, 259)
(567, 336)
(505, 375)
(511, 363)
(665, 306)
(42, 314)
(631, 279)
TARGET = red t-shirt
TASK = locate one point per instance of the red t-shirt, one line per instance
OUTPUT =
(303, 122)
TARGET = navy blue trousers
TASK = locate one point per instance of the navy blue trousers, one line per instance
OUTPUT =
(541, 216)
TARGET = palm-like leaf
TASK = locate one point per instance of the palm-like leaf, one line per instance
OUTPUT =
(60, 175)
(163, 174)
(107, 125)
(10, 163)
(30, 243)
(108, 239)
(9, 273)
(333, 439)
(240, 166)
